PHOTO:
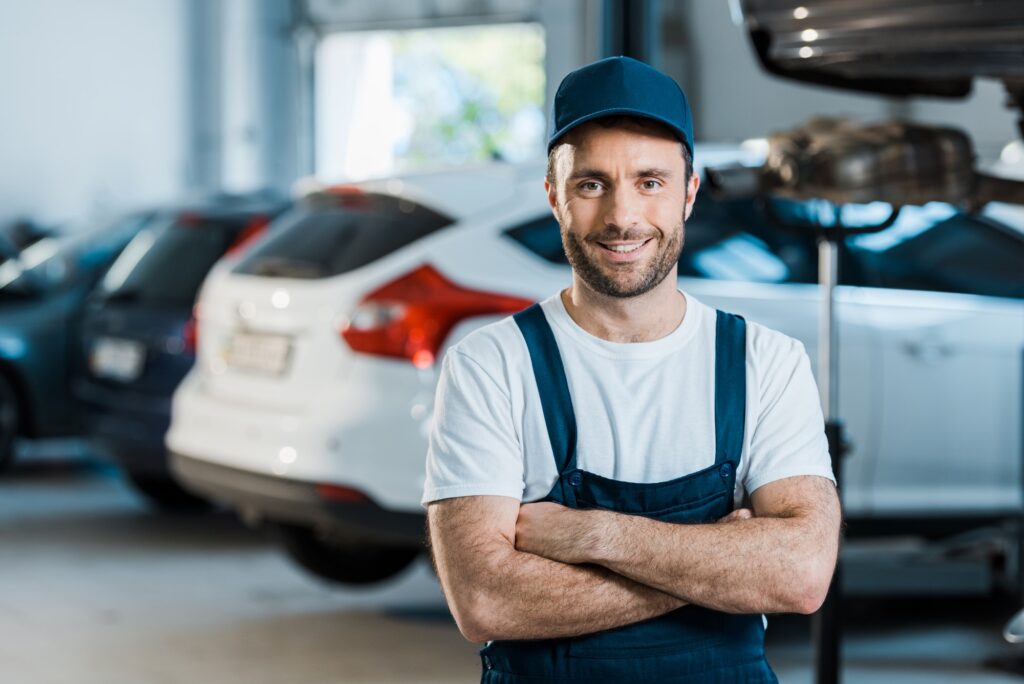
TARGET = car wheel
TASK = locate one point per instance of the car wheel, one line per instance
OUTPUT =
(165, 494)
(10, 417)
(346, 563)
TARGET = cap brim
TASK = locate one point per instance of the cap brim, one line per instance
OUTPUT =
(621, 111)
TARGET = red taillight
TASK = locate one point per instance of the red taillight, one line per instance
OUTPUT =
(190, 333)
(345, 190)
(252, 230)
(190, 219)
(411, 317)
(332, 492)
(350, 197)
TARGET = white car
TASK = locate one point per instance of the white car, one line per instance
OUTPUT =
(318, 353)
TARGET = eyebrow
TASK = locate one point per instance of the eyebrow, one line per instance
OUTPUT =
(642, 173)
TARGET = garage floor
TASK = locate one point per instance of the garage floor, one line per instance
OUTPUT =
(97, 589)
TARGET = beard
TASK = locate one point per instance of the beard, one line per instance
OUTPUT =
(627, 280)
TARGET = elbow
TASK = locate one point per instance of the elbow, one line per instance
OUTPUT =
(811, 588)
(475, 617)
(473, 631)
(809, 601)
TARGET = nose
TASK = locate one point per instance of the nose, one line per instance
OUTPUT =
(622, 207)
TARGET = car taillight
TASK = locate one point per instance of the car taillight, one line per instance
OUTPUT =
(252, 230)
(411, 317)
(351, 197)
(190, 333)
(190, 219)
(332, 492)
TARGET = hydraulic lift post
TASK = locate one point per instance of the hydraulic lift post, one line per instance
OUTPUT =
(825, 624)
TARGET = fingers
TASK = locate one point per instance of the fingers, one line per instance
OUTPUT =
(738, 514)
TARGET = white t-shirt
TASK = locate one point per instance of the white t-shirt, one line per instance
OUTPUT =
(644, 411)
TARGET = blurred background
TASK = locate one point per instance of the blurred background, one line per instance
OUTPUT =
(237, 236)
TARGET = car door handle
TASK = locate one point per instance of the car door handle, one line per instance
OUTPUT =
(930, 352)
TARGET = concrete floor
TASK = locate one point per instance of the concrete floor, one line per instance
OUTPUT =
(98, 589)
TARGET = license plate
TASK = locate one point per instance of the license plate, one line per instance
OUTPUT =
(258, 352)
(117, 359)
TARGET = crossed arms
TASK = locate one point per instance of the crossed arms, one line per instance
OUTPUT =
(541, 570)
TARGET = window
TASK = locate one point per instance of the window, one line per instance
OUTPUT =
(389, 102)
(967, 254)
(165, 264)
(330, 236)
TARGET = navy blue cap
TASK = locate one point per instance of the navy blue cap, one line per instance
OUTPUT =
(621, 86)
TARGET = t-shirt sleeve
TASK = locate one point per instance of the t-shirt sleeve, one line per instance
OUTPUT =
(473, 447)
(789, 433)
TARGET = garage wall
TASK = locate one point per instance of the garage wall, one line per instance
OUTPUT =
(983, 115)
(247, 102)
(93, 117)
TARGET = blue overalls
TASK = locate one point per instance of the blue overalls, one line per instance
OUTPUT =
(688, 645)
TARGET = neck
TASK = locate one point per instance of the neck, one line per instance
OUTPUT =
(644, 318)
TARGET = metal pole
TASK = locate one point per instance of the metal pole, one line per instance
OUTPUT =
(828, 278)
(825, 634)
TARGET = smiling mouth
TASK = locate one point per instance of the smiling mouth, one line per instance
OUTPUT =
(624, 247)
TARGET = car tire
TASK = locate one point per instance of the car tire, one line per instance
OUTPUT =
(167, 495)
(342, 562)
(10, 419)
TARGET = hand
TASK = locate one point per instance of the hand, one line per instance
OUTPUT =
(553, 531)
(738, 514)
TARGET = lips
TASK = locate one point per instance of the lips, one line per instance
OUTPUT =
(625, 250)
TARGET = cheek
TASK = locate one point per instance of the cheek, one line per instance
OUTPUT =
(666, 215)
(580, 216)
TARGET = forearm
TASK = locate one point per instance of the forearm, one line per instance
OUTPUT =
(781, 560)
(760, 565)
(498, 592)
(530, 597)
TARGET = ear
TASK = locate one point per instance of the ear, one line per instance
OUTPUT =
(691, 194)
(552, 192)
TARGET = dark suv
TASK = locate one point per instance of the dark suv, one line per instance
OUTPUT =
(139, 335)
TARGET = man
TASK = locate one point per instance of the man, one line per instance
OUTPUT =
(634, 418)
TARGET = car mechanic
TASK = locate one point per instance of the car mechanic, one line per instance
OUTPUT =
(622, 480)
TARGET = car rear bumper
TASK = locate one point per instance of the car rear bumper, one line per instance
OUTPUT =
(353, 433)
(128, 426)
(283, 500)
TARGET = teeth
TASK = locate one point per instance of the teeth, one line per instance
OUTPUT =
(625, 248)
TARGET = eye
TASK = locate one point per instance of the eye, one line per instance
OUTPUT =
(590, 186)
(651, 184)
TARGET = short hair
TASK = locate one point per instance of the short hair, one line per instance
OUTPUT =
(624, 121)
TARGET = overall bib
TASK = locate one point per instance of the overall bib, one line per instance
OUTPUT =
(688, 645)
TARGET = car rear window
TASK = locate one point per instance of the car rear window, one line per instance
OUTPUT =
(329, 237)
(166, 264)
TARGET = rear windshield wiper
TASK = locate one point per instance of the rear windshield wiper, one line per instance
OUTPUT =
(123, 296)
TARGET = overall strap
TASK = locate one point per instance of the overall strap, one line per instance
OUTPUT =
(552, 384)
(730, 386)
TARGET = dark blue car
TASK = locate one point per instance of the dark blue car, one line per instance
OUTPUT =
(44, 280)
(138, 336)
